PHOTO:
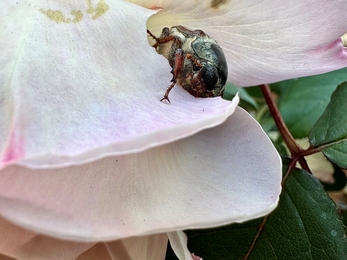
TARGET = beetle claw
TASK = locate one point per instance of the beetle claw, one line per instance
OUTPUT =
(165, 98)
(166, 95)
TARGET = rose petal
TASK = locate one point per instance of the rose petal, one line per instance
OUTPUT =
(136, 248)
(264, 41)
(24, 244)
(229, 173)
(79, 81)
(96, 252)
(178, 242)
(3, 257)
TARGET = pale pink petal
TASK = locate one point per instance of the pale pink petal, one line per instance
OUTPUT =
(3, 257)
(96, 252)
(195, 257)
(23, 244)
(229, 173)
(178, 242)
(151, 247)
(79, 81)
(264, 41)
(139, 248)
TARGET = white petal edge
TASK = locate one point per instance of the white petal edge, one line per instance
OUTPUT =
(232, 170)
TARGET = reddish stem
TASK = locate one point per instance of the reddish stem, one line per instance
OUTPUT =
(294, 148)
(296, 152)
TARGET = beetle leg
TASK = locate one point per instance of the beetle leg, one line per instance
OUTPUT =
(151, 34)
(177, 69)
(163, 39)
(194, 60)
(166, 95)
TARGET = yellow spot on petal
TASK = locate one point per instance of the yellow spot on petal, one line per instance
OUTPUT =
(100, 9)
(56, 16)
(78, 16)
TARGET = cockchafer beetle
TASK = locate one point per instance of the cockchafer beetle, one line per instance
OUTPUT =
(197, 61)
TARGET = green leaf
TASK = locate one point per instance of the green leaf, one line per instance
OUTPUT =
(331, 128)
(337, 153)
(231, 90)
(332, 125)
(303, 100)
(305, 225)
(343, 215)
